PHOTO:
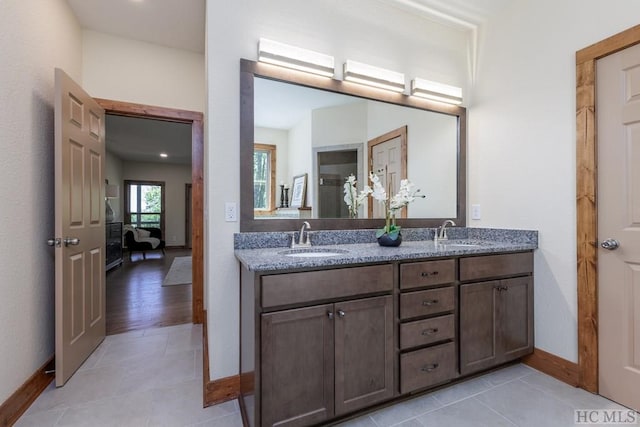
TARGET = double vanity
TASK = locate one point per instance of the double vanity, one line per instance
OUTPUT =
(337, 328)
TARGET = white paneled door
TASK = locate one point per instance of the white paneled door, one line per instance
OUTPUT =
(79, 226)
(618, 126)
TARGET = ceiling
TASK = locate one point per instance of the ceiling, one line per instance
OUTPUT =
(142, 140)
(173, 23)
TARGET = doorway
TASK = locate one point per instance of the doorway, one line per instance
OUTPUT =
(586, 201)
(195, 121)
(333, 168)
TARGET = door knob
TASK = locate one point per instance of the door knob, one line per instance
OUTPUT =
(610, 244)
(57, 242)
(71, 241)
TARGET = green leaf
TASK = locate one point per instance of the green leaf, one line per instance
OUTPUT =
(393, 232)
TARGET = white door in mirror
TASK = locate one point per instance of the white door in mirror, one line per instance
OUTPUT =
(230, 212)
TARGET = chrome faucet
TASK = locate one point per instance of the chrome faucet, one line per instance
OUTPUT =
(442, 231)
(301, 241)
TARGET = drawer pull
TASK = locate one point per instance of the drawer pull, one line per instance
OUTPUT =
(429, 302)
(427, 273)
(430, 368)
(430, 331)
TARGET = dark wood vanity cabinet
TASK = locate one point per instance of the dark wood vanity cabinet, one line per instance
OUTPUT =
(323, 361)
(496, 316)
(297, 359)
(321, 344)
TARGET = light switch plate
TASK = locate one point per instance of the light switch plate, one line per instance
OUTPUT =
(475, 212)
(230, 212)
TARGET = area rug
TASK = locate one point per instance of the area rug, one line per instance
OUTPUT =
(179, 273)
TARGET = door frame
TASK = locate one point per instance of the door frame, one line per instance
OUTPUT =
(586, 200)
(196, 120)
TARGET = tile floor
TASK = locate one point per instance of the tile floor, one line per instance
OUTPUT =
(150, 377)
(153, 377)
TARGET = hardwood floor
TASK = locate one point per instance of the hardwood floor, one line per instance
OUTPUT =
(136, 298)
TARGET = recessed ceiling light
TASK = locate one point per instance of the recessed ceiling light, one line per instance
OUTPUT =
(164, 155)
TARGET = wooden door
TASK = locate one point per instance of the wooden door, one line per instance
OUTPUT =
(297, 366)
(478, 326)
(516, 318)
(363, 353)
(618, 124)
(388, 160)
(79, 226)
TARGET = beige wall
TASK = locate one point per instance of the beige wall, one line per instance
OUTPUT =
(175, 177)
(362, 30)
(522, 141)
(37, 36)
(140, 72)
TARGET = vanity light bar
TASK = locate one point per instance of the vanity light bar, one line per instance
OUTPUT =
(436, 91)
(285, 55)
(373, 76)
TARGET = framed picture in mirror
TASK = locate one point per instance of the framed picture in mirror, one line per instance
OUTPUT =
(298, 191)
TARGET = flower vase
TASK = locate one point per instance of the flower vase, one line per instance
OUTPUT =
(387, 240)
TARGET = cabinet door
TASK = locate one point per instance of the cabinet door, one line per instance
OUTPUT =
(297, 366)
(478, 326)
(363, 353)
(516, 317)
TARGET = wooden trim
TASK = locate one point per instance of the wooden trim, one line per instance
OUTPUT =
(586, 200)
(220, 390)
(196, 119)
(188, 190)
(609, 45)
(271, 149)
(197, 218)
(16, 405)
(553, 365)
(130, 109)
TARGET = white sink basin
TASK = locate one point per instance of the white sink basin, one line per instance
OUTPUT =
(312, 253)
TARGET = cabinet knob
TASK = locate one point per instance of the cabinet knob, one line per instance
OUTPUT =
(429, 302)
(330, 315)
(430, 331)
(341, 313)
(430, 368)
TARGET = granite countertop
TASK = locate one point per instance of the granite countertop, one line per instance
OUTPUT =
(256, 257)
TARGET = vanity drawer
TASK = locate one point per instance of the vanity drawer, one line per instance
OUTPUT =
(427, 273)
(424, 303)
(295, 288)
(427, 367)
(483, 267)
(422, 332)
